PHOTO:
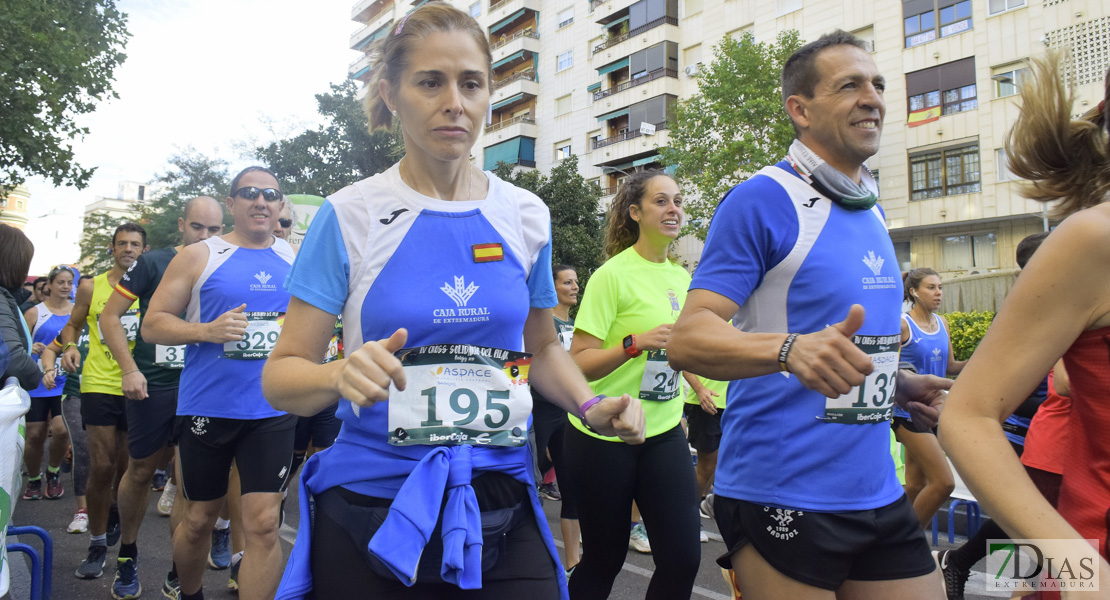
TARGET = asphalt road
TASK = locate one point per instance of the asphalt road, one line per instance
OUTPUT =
(154, 561)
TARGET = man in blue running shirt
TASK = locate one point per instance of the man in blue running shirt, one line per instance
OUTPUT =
(230, 289)
(798, 256)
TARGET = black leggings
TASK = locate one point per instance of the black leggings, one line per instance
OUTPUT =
(549, 422)
(659, 475)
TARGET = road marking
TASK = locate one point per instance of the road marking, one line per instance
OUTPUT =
(648, 573)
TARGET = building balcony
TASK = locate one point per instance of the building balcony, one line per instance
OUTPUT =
(659, 30)
(605, 10)
(367, 10)
(650, 85)
(360, 69)
(516, 51)
(522, 85)
(628, 147)
(372, 31)
(504, 8)
(506, 40)
(511, 128)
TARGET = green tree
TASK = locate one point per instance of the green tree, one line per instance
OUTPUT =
(57, 61)
(336, 154)
(576, 236)
(190, 174)
(734, 125)
(96, 242)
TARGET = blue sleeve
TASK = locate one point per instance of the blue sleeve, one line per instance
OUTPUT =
(321, 273)
(754, 229)
(541, 282)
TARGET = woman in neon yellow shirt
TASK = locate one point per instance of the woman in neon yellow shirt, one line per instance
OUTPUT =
(620, 342)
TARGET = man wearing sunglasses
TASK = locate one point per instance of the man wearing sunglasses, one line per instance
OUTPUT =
(150, 384)
(284, 230)
(230, 288)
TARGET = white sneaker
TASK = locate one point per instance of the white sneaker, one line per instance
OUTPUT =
(703, 536)
(638, 539)
(80, 522)
(706, 507)
(165, 502)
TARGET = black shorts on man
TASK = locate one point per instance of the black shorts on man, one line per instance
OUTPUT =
(825, 549)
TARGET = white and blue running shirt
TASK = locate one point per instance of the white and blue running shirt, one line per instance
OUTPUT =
(794, 262)
(457, 272)
(213, 385)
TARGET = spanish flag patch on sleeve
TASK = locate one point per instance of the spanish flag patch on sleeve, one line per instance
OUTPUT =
(488, 252)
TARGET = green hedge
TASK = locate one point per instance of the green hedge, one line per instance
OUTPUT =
(966, 329)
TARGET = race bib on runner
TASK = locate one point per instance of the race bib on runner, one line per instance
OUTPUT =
(130, 322)
(263, 329)
(660, 381)
(873, 401)
(335, 346)
(461, 394)
(170, 357)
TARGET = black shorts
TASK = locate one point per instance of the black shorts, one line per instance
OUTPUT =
(262, 448)
(825, 549)
(704, 429)
(151, 422)
(909, 426)
(319, 430)
(44, 408)
(104, 410)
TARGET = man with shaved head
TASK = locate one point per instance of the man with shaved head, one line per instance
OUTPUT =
(150, 383)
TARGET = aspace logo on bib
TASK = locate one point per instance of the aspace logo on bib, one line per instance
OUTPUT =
(878, 281)
(461, 294)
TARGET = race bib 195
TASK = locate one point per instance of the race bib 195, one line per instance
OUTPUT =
(263, 329)
(461, 394)
(660, 381)
(873, 401)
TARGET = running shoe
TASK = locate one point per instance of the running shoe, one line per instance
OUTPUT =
(219, 557)
(550, 491)
(54, 489)
(233, 577)
(93, 565)
(703, 536)
(158, 482)
(80, 522)
(126, 586)
(954, 579)
(706, 506)
(638, 539)
(113, 531)
(33, 491)
(165, 502)
(171, 588)
(67, 461)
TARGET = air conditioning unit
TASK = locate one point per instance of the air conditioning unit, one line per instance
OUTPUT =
(693, 70)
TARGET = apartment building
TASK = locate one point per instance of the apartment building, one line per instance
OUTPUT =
(596, 79)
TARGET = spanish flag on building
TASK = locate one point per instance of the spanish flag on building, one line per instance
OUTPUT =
(923, 116)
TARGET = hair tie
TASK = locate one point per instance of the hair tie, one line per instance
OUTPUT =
(401, 25)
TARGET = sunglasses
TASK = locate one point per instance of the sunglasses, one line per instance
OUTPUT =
(251, 192)
(285, 223)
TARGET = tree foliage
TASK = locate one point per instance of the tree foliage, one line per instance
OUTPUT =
(575, 228)
(57, 60)
(191, 174)
(734, 125)
(96, 242)
(340, 152)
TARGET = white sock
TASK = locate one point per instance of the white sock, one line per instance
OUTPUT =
(223, 523)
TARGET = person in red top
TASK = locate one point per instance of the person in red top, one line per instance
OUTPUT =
(1059, 306)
